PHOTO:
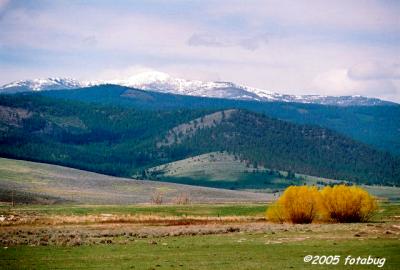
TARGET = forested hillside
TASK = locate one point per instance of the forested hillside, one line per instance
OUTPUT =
(378, 126)
(281, 145)
(110, 140)
(124, 141)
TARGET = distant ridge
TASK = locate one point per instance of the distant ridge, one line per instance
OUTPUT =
(164, 83)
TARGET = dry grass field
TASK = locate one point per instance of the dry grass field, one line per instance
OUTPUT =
(33, 182)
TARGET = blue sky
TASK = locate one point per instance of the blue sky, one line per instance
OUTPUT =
(296, 47)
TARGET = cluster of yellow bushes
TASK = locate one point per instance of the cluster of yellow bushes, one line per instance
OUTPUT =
(341, 203)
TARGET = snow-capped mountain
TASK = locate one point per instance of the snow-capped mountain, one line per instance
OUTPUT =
(162, 82)
(41, 84)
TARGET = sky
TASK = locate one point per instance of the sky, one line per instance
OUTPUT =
(349, 47)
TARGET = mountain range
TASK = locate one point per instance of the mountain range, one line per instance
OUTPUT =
(164, 83)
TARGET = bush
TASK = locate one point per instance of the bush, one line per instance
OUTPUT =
(348, 204)
(182, 198)
(339, 203)
(275, 213)
(156, 198)
(296, 205)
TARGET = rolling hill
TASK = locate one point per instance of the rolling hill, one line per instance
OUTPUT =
(31, 182)
(123, 141)
(224, 170)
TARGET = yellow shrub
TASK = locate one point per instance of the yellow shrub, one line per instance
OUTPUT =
(275, 213)
(297, 205)
(348, 204)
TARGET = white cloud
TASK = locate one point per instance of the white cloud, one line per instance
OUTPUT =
(335, 81)
(68, 28)
(339, 82)
(119, 74)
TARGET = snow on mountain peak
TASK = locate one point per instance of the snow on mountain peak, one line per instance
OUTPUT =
(53, 83)
(163, 82)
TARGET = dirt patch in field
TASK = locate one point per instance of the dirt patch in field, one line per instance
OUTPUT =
(106, 232)
(34, 220)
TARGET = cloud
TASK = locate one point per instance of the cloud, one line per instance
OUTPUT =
(90, 40)
(335, 81)
(340, 82)
(122, 73)
(206, 40)
(252, 42)
(375, 71)
(70, 27)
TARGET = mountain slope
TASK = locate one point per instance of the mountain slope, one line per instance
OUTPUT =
(378, 126)
(122, 141)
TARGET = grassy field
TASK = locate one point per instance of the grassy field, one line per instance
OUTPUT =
(236, 251)
(210, 210)
(386, 210)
